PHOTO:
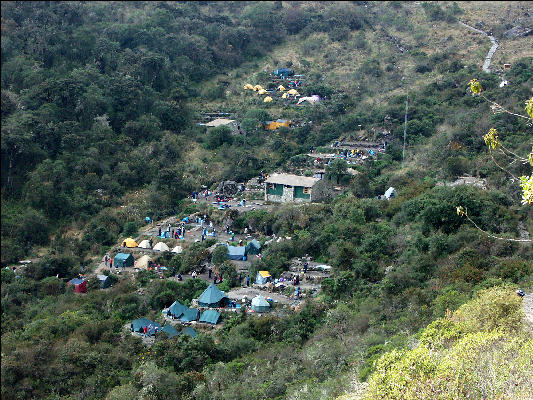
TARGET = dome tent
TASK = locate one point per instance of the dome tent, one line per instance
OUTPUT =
(143, 262)
(145, 244)
(259, 304)
(161, 247)
(281, 88)
(177, 250)
(261, 91)
(257, 87)
(129, 242)
(294, 92)
(267, 99)
(253, 247)
(248, 87)
(210, 317)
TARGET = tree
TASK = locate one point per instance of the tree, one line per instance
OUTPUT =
(337, 169)
(220, 254)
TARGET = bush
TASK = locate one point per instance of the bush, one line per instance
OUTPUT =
(130, 229)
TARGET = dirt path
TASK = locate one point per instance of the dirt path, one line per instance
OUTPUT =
(527, 306)
(490, 54)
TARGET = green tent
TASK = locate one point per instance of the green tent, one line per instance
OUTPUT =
(123, 260)
(212, 297)
(259, 304)
(254, 247)
(105, 281)
(139, 324)
(189, 331)
(236, 252)
(190, 314)
(210, 317)
(169, 330)
(177, 309)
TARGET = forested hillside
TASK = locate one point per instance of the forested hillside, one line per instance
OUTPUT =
(101, 104)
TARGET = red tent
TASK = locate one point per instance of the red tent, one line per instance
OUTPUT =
(80, 285)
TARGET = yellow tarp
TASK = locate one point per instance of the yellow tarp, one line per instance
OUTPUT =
(129, 242)
(265, 274)
(261, 91)
(258, 87)
(267, 99)
(281, 88)
(293, 92)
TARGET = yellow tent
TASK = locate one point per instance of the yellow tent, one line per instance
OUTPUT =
(129, 242)
(281, 88)
(293, 92)
(257, 87)
(267, 99)
(261, 91)
(284, 95)
(248, 87)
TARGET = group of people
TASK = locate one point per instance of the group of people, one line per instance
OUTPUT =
(178, 233)
(148, 330)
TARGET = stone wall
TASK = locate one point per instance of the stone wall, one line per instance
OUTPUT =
(286, 197)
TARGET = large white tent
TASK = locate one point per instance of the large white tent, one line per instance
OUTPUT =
(259, 304)
(177, 250)
(142, 262)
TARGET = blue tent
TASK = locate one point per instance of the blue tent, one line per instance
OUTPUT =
(177, 309)
(189, 331)
(190, 314)
(210, 317)
(169, 330)
(212, 297)
(236, 252)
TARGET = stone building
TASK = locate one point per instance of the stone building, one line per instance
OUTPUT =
(287, 188)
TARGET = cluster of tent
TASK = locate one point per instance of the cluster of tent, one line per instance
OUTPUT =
(260, 90)
(241, 252)
(145, 244)
(139, 324)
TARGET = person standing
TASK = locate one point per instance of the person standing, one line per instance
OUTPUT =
(210, 273)
(247, 280)
(159, 232)
(110, 263)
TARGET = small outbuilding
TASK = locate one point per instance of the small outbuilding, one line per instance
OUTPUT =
(80, 285)
(212, 297)
(210, 317)
(105, 281)
(259, 304)
(123, 260)
(263, 277)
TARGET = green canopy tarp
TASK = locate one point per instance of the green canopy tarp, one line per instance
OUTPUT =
(169, 330)
(254, 247)
(210, 317)
(212, 297)
(123, 260)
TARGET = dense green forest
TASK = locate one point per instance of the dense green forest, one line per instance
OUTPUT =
(99, 108)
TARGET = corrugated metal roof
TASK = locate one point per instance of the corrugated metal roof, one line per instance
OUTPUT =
(219, 121)
(292, 180)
